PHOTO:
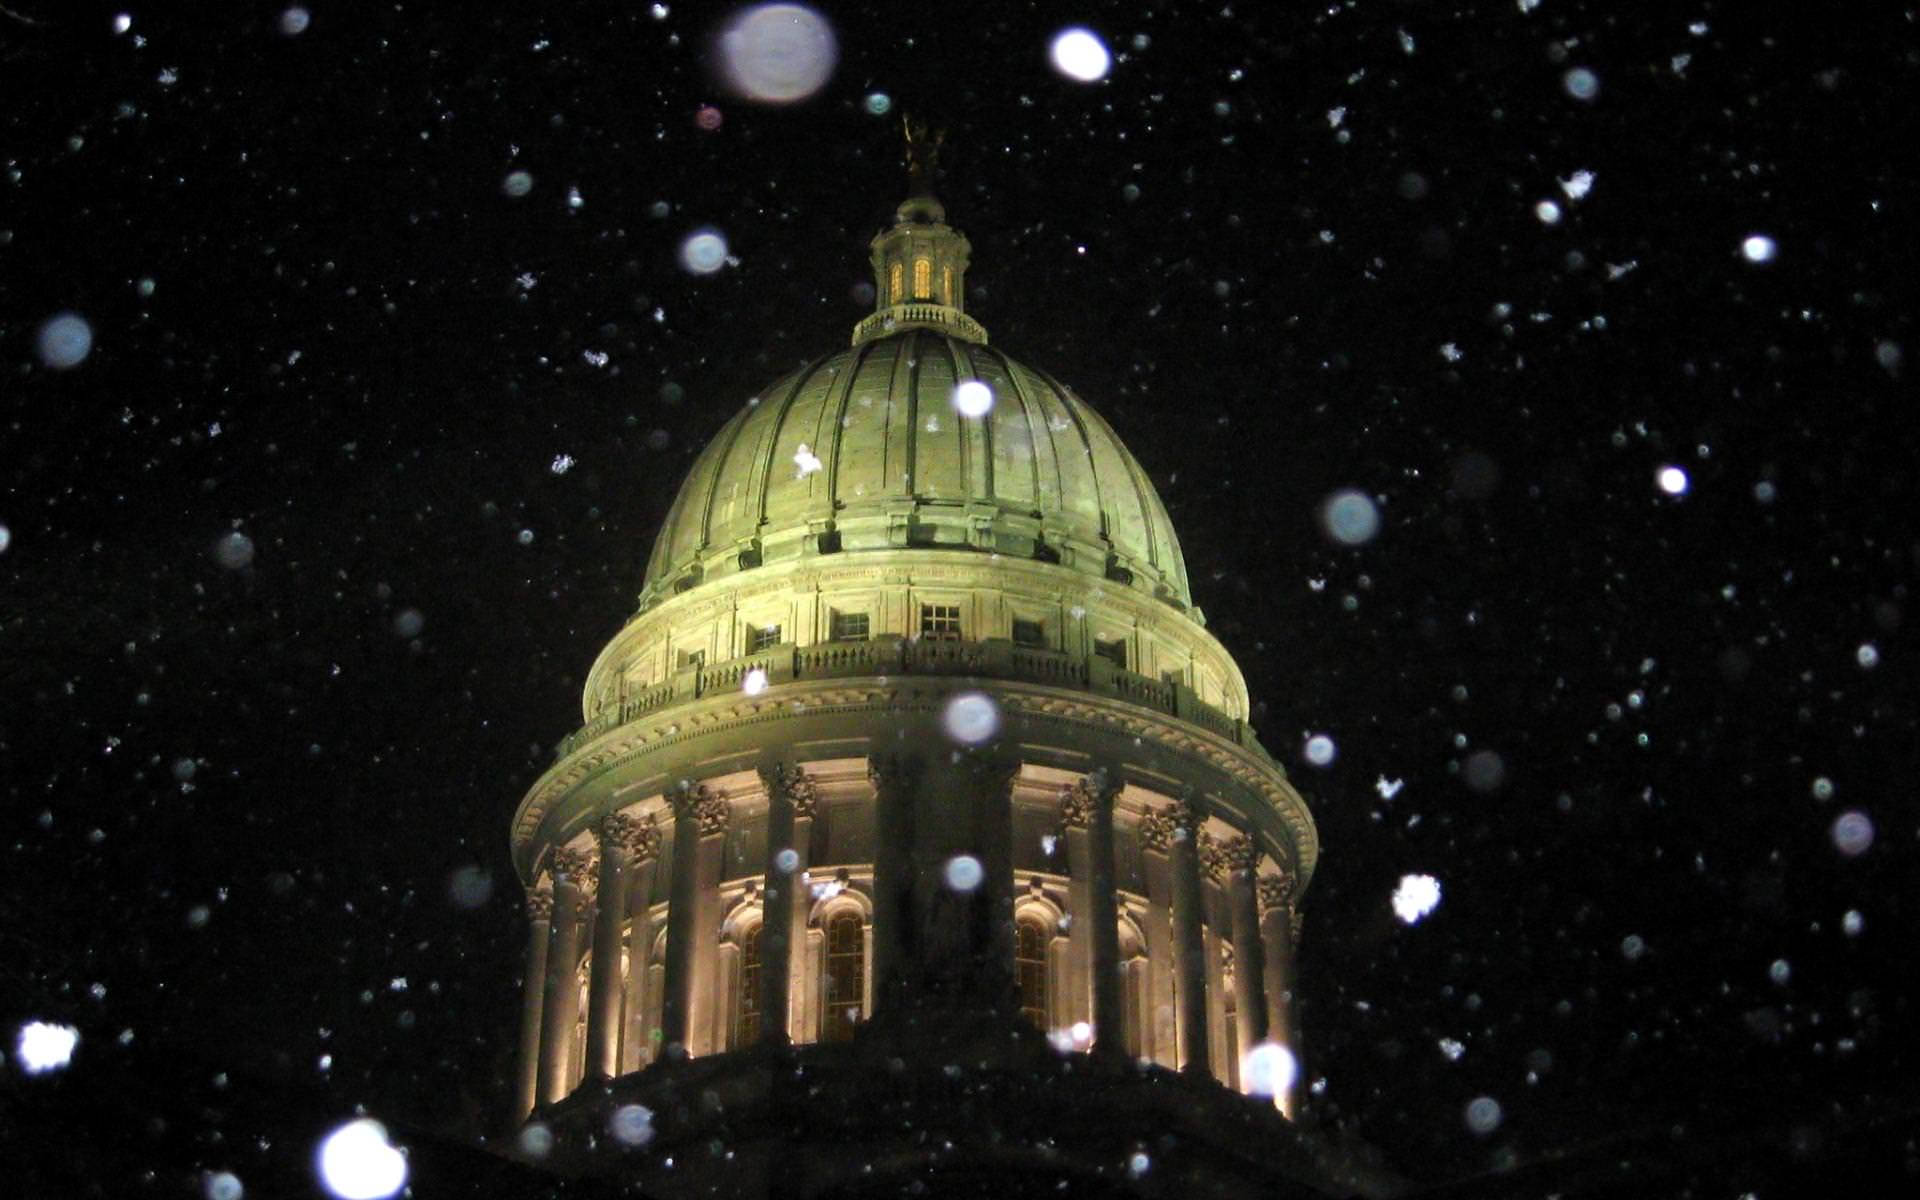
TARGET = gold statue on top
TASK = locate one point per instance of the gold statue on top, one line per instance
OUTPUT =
(923, 154)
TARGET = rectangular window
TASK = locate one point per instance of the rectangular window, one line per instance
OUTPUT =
(893, 284)
(946, 286)
(1029, 633)
(922, 279)
(850, 627)
(845, 982)
(762, 638)
(691, 658)
(1114, 652)
(940, 622)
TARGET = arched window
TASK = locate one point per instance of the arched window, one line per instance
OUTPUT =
(1030, 969)
(846, 977)
(746, 1015)
(893, 284)
(922, 279)
(946, 286)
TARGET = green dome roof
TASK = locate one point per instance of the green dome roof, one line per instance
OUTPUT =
(865, 450)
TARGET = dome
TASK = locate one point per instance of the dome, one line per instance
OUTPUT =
(866, 449)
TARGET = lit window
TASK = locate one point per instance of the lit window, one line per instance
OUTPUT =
(1030, 969)
(845, 977)
(1114, 651)
(1029, 633)
(762, 638)
(893, 284)
(946, 286)
(746, 1026)
(922, 279)
(940, 622)
(850, 627)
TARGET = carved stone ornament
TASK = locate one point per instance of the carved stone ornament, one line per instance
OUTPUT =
(615, 830)
(1213, 858)
(639, 836)
(1187, 812)
(1242, 853)
(686, 797)
(1276, 892)
(1076, 806)
(1156, 830)
(713, 813)
(800, 789)
(540, 905)
(573, 867)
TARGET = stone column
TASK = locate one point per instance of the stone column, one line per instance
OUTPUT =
(706, 1032)
(1109, 1005)
(610, 915)
(533, 985)
(636, 1049)
(894, 777)
(1213, 872)
(1249, 957)
(1277, 918)
(1076, 815)
(676, 996)
(572, 873)
(1160, 1028)
(788, 790)
(1189, 945)
(990, 793)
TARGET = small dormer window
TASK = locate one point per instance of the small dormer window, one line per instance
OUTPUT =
(940, 622)
(763, 638)
(893, 284)
(922, 279)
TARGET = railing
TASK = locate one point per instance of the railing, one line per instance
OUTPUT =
(888, 319)
(995, 658)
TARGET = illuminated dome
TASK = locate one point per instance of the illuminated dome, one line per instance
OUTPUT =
(869, 449)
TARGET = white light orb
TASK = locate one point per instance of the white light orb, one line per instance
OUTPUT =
(631, 1125)
(1581, 83)
(1269, 1069)
(971, 718)
(295, 20)
(1320, 750)
(43, 1046)
(357, 1162)
(516, 184)
(1852, 833)
(64, 340)
(1350, 517)
(234, 551)
(536, 1140)
(1672, 480)
(778, 53)
(787, 861)
(1080, 55)
(704, 251)
(1414, 897)
(805, 461)
(973, 398)
(1758, 248)
(1484, 1115)
(963, 873)
(222, 1185)
(755, 682)
(1548, 212)
(6, 538)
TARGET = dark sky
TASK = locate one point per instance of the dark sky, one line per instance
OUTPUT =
(1285, 248)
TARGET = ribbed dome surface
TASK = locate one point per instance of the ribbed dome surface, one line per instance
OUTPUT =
(864, 449)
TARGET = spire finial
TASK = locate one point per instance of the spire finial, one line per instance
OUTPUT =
(923, 154)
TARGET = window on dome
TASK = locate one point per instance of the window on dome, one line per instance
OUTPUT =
(1030, 969)
(893, 284)
(850, 627)
(845, 977)
(940, 622)
(1114, 651)
(691, 658)
(764, 637)
(1029, 633)
(746, 1024)
(922, 279)
(946, 286)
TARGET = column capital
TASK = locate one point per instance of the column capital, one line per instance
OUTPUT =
(1276, 893)
(1242, 853)
(713, 812)
(1156, 830)
(990, 770)
(540, 904)
(893, 770)
(792, 781)
(1076, 806)
(686, 796)
(637, 837)
(1213, 857)
(573, 867)
(1188, 811)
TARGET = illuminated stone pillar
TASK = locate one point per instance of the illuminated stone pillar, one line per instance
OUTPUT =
(677, 989)
(533, 985)
(610, 915)
(894, 872)
(1076, 814)
(1277, 918)
(989, 783)
(1189, 943)
(788, 791)
(636, 1048)
(1109, 1005)
(706, 1032)
(1249, 957)
(1162, 1038)
(572, 872)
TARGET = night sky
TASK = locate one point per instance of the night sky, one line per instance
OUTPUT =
(1496, 265)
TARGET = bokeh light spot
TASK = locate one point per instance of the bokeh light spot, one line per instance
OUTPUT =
(778, 53)
(1079, 54)
(357, 1162)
